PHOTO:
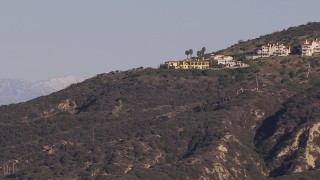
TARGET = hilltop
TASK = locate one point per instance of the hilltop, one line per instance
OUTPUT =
(292, 37)
(172, 124)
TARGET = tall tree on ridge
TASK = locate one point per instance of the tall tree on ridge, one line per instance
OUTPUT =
(190, 52)
(198, 54)
(187, 53)
(203, 50)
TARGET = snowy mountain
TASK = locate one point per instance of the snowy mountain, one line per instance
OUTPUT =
(19, 90)
(56, 84)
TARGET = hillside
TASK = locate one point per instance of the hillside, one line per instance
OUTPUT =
(292, 37)
(172, 124)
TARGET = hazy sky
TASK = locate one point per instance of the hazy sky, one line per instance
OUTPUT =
(41, 39)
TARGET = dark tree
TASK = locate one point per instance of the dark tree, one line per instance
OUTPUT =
(199, 53)
(190, 52)
(203, 50)
(187, 53)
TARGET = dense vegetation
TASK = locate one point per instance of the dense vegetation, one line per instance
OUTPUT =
(167, 124)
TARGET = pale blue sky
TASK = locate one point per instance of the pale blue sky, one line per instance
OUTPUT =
(41, 39)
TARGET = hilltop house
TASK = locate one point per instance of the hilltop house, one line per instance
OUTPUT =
(308, 48)
(273, 50)
(227, 61)
(222, 58)
(188, 64)
(212, 62)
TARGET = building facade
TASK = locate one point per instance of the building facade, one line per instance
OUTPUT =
(227, 61)
(222, 58)
(274, 50)
(308, 48)
(188, 64)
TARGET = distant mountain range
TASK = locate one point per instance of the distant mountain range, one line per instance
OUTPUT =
(20, 90)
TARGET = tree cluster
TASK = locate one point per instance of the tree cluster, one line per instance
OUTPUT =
(189, 52)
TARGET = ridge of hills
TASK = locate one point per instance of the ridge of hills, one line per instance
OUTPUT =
(173, 124)
(291, 37)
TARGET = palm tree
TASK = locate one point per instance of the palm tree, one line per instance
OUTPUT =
(198, 54)
(187, 53)
(203, 50)
(190, 52)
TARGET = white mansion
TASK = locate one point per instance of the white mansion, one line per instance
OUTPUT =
(227, 61)
(308, 48)
(273, 50)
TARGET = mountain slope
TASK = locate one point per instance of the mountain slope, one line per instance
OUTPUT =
(296, 129)
(141, 120)
(14, 91)
(55, 84)
(292, 37)
(172, 124)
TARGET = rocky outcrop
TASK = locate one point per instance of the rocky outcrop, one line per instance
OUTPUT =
(67, 106)
(303, 149)
(290, 141)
